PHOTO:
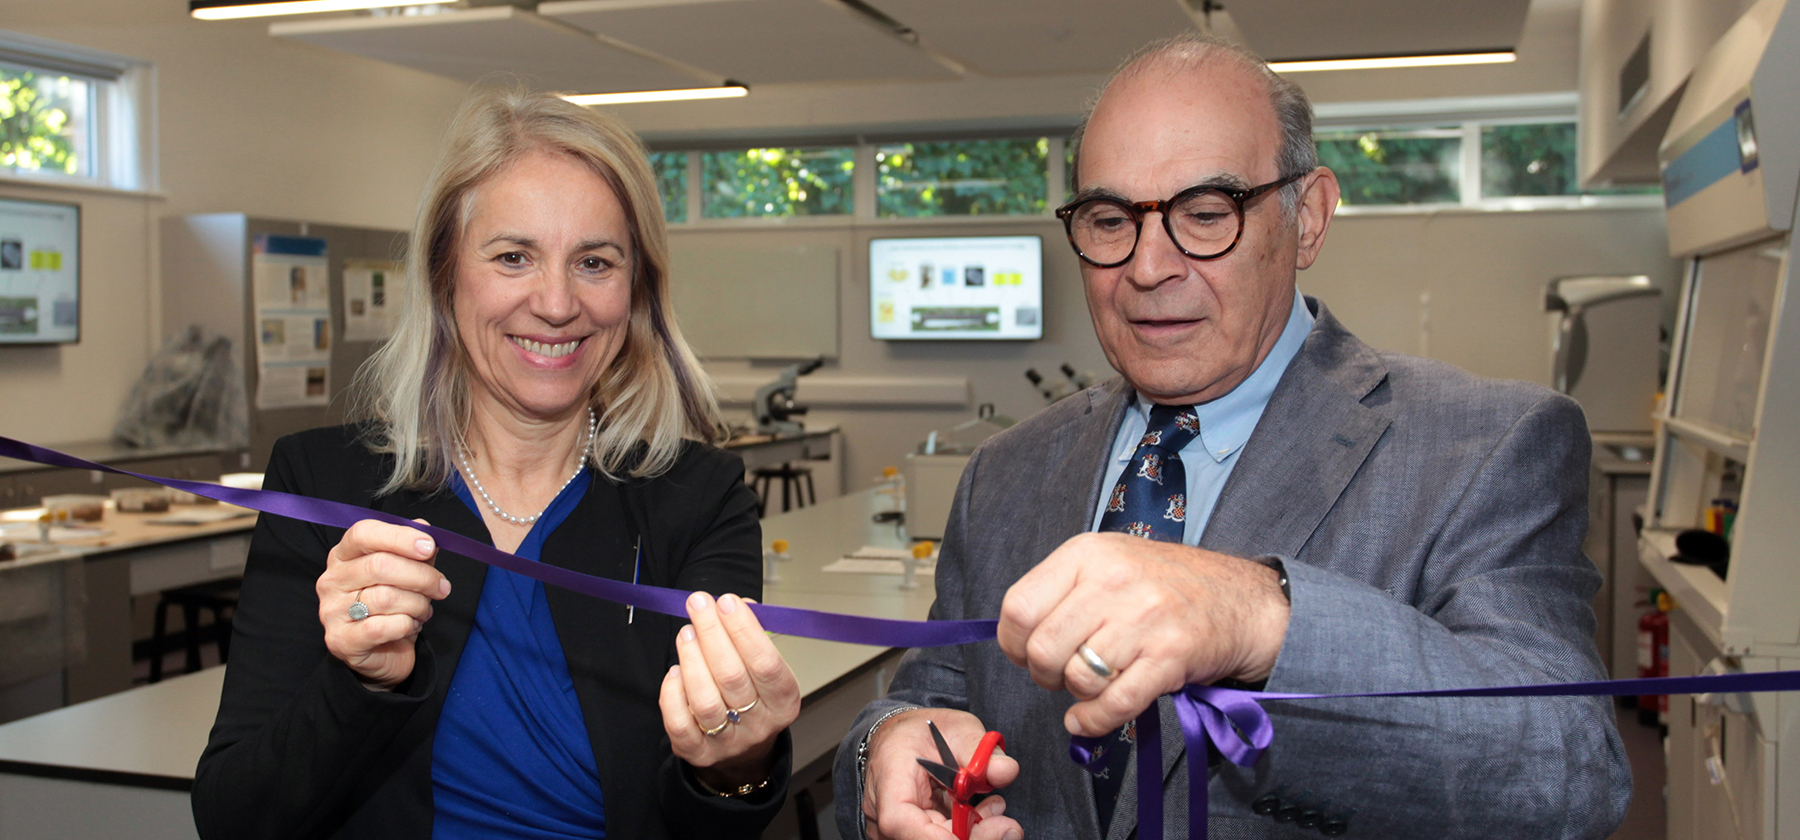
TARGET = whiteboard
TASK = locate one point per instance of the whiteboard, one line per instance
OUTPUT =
(757, 303)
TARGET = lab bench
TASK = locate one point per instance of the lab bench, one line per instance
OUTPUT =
(122, 765)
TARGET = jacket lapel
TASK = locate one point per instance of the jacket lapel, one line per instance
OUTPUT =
(1086, 457)
(1313, 437)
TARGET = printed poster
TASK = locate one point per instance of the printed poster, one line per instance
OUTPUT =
(291, 290)
(371, 306)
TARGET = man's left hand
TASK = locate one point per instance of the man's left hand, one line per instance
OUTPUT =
(1160, 615)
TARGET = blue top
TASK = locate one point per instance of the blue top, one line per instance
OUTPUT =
(511, 757)
(1225, 426)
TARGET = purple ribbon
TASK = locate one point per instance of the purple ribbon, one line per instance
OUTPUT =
(861, 630)
(1231, 720)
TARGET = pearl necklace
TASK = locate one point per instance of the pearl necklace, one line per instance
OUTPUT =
(580, 464)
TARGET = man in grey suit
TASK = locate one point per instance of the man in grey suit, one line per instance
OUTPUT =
(1333, 518)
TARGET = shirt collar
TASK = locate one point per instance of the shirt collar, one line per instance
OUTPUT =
(1227, 422)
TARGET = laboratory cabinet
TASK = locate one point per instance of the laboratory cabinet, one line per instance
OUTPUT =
(1728, 431)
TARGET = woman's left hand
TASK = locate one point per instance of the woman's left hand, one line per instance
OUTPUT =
(733, 683)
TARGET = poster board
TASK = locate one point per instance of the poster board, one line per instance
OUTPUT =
(40, 272)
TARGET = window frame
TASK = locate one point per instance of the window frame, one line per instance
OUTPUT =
(121, 136)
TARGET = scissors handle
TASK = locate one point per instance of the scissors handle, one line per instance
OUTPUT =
(962, 819)
(972, 780)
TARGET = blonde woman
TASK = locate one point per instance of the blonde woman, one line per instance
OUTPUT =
(536, 394)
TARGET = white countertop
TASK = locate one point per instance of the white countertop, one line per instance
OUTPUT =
(150, 736)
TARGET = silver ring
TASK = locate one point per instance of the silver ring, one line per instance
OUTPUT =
(1095, 663)
(717, 729)
(359, 611)
(732, 715)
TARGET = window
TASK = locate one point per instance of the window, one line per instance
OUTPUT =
(45, 122)
(1528, 159)
(977, 177)
(1388, 166)
(671, 169)
(1500, 153)
(73, 115)
(777, 182)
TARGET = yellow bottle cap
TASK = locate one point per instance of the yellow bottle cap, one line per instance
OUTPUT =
(922, 550)
(890, 471)
(779, 546)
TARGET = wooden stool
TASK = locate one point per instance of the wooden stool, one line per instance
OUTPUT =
(790, 476)
(219, 596)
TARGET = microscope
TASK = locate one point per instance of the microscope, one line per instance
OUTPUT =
(775, 401)
(1072, 383)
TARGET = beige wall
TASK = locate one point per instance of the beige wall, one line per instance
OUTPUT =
(67, 392)
(244, 123)
(1484, 273)
(880, 436)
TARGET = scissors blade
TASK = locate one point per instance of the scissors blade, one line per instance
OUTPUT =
(943, 746)
(943, 775)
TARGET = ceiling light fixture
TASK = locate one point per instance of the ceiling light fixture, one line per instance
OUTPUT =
(725, 91)
(1383, 62)
(234, 9)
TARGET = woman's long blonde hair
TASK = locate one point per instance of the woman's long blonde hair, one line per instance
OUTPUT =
(414, 391)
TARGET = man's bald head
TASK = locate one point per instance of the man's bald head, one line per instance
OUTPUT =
(1202, 53)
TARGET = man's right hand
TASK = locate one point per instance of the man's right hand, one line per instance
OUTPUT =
(899, 799)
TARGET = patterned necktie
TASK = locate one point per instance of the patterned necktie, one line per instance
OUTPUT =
(1149, 501)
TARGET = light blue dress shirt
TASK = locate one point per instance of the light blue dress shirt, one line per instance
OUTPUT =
(1225, 426)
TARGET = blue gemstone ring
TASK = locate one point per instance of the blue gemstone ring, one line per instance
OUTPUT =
(733, 715)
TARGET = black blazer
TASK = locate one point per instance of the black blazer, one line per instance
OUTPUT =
(301, 749)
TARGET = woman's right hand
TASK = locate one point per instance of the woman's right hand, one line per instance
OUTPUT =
(389, 569)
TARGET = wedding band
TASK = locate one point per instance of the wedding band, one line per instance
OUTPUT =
(359, 611)
(717, 729)
(1095, 663)
(732, 715)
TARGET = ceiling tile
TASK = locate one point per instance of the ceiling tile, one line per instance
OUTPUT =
(1034, 37)
(755, 41)
(1291, 29)
(473, 45)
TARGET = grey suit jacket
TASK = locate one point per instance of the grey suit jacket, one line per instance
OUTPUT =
(1431, 525)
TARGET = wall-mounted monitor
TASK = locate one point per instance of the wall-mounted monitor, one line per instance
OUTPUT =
(40, 272)
(957, 287)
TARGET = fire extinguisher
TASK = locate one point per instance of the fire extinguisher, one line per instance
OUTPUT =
(1653, 654)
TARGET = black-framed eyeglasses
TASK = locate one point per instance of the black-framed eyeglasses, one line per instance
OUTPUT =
(1205, 222)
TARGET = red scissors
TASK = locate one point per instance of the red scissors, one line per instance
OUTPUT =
(965, 784)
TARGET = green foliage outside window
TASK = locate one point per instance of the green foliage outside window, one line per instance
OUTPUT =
(1531, 159)
(37, 124)
(966, 178)
(1395, 167)
(777, 182)
(671, 183)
